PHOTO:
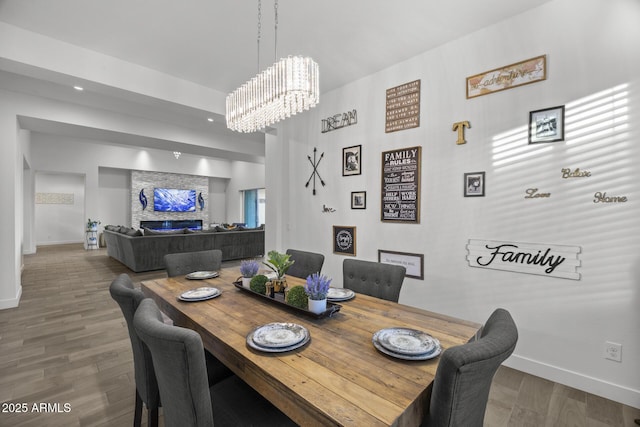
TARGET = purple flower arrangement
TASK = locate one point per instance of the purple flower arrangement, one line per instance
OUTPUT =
(249, 268)
(317, 286)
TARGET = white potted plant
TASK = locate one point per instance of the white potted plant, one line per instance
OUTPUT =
(317, 288)
(92, 224)
(248, 269)
(279, 263)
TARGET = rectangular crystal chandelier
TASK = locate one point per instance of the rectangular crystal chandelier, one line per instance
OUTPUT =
(288, 87)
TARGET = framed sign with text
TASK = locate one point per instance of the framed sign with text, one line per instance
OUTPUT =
(403, 107)
(414, 263)
(507, 77)
(400, 201)
(344, 240)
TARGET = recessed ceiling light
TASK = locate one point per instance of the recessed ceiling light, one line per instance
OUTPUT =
(209, 119)
(78, 88)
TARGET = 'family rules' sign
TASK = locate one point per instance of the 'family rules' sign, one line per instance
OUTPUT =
(531, 258)
(400, 199)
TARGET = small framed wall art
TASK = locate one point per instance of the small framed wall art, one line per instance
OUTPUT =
(344, 240)
(414, 263)
(546, 125)
(358, 200)
(352, 160)
(474, 184)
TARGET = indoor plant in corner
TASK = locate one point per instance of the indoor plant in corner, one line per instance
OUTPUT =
(248, 269)
(92, 225)
(317, 288)
(279, 263)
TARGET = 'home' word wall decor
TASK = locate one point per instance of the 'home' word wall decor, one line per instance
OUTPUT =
(400, 199)
(530, 258)
(338, 121)
(403, 107)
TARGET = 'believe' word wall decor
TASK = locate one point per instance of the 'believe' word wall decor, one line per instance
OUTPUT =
(530, 258)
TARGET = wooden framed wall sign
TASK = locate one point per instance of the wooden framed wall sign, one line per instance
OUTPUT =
(542, 259)
(400, 201)
(403, 107)
(507, 77)
(344, 240)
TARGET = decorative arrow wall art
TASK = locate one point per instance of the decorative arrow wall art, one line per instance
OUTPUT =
(315, 172)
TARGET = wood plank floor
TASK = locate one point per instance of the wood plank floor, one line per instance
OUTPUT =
(65, 354)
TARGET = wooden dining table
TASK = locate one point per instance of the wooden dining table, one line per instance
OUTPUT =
(338, 378)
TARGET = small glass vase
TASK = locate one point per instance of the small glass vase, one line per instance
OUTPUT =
(317, 306)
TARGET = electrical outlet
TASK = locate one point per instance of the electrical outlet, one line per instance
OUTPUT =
(613, 351)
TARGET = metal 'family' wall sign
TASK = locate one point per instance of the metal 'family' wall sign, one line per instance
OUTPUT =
(530, 258)
(338, 121)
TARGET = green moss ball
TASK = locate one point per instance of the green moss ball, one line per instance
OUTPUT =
(297, 297)
(258, 283)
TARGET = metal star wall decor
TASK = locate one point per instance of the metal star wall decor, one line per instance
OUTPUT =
(315, 172)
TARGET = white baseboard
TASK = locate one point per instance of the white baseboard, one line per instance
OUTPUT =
(11, 302)
(626, 396)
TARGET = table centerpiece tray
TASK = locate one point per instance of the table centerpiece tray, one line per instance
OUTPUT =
(278, 299)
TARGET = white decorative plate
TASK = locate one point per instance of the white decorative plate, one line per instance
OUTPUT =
(199, 294)
(340, 294)
(201, 275)
(434, 353)
(405, 340)
(279, 335)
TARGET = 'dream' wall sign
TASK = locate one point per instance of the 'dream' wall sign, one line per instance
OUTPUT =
(530, 258)
(338, 121)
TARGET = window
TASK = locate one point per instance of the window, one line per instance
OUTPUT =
(254, 207)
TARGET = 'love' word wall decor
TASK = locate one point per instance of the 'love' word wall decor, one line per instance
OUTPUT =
(530, 258)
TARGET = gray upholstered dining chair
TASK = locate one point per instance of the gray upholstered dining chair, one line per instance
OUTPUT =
(128, 298)
(183, 263)
(306, 263)
(373, 278)
(465, 372)
(177, 355)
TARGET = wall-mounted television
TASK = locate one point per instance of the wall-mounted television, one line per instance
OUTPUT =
(174, 200)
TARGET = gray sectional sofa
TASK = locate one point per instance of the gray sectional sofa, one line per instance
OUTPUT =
(146, 252)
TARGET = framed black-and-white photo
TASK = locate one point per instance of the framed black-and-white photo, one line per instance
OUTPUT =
(351, 160)
(546, 125)
(358, 200)
(344, 240)
(474, 184)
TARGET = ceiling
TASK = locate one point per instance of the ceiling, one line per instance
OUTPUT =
(213, 42)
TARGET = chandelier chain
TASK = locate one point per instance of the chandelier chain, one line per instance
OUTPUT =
(275, 12)
(259, 30)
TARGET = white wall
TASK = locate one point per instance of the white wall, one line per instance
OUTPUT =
(11, 170)
(592, 56)
(60, 223)
(247, 176)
